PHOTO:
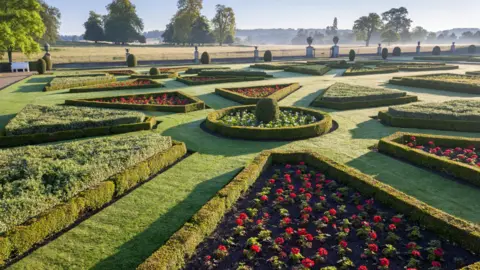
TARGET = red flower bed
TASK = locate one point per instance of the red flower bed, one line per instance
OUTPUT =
(159, 99)
(297, 218)
(464, 155)
(260, 91)
(138, 82)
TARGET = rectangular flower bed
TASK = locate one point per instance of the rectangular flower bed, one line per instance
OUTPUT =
(446, 81)
(71, 82)
(309, 69)
(457, 115)
(196, 70)
(79, 74)
(176, 101)
(166, 75)
(72, 179)
(233, 72)
(119, 85)
(300, 210)
(172, 69)
(342, 96)
(358, 71)
(455, 156)
(252, 94)
(201, 80)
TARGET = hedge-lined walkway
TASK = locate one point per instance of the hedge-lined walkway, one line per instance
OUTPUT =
(124, 234)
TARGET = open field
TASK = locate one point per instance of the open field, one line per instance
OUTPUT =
(124, 234)
(109, 53)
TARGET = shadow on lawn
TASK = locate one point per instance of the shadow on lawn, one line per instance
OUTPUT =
(138, 249)
(217, 102)
(28, 88)
(40, 79)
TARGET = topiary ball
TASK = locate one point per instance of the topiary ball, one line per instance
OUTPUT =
(154, 71)
(436, 50)
(472, 49)
(205, 58)
(131, 60)
(351, 55)
(267, 56)
(41, 66)
(397, 51)
(267, 110)
(48, 61)
(384, 53)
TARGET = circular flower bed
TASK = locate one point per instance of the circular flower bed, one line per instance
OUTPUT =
(294, 123)
(163, 99)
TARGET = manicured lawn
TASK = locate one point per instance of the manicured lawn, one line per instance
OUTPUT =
(124, 234)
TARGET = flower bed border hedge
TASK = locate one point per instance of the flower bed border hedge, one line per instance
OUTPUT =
(275, 66)
(373, 71)
(350, 105)
(393, 146)
(155, 77)
(306, 70)
(473, 73)
(454, 125)
(255, 133)
(99, 74)
(38, 138)
(233, 73)
(22, 238)
(102, 79)
(430, 68)
(175, 253)
(195, 106)
(279, 95)
(221, 80)
(153, 84)
(197, 70)
(436, 85)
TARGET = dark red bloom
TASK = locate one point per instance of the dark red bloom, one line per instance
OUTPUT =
(264, 198)
(377, 219)
(373, 248)
(332, 212)
(279, 240)
(289, 230)
(322, 252)
(295, 250)
(222, 248)
(362, 267)
(415, 253)
(255, 248)
(239, 221)
(384, 262)
(343, 244)
(243, 216)
(436, 264)
(438, 252)
(308, 263)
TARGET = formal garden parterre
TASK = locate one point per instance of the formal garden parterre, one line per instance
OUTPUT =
(71, 82)
(201, 80)
(251, 95)
(448, 82)
(119, 85)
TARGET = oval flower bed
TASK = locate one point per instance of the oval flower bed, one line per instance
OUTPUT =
(296, 217)
(294, 123)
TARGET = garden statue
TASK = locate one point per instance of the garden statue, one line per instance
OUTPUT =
(379, 49)
(195, 55)
(310, 49)
(335, 49)
(452, 48)
(46, 47)
(255, 54)
(418, 47)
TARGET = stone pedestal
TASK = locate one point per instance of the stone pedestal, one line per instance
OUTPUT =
(310, 52)
(255, 54)
(196, 56)
(379, 49)
(452, 48)
(335, 51)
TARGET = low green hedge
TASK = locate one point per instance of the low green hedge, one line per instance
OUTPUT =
(255, 133)
(233, 73)
(419, 82)
(71, 82)
(426, 68)
(38, 138)
(219, 80)
(393, 145)
(454, 125)
(155, 77)
(354, 71)
(275, 66)
(350, 105)
(397, 63)
(195, 106)
(153, 84)
(444, 58)
(279, 95)
(22, 238)
(309, 69)
(175, 253)
(196, 70)
(473, 73)
(79, 75)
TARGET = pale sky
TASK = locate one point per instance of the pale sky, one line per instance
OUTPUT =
(434, 15)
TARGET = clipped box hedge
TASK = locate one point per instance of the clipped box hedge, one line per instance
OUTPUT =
(175, 253)
(22, 238)
(196, 70)
(444, 58)
(426, 67)
(105, 87)
(255, 133)
(196, 104)
(155, 77)
(309, 69)
(186, 81)
(79, 74)
(423, 81)
(121, 72)
(358, 71)
(71, 82)
(473, 73)
(393, 145)
(275, 66)
(233, 73)
(279, 95)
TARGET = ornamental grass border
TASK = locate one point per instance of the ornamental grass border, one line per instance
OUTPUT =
(278, 95)
(393, 146)
(153, 84)
(22, 238)
(39, 138)
(178, 249)
(219, 80)
(196, 104)
(284, 133)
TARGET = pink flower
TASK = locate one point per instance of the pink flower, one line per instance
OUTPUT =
(436, 264)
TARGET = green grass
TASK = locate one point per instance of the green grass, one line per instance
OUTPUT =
(127, 232)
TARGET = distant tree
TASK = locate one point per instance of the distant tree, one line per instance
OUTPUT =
(405, 36)
(453, 36)
(122, 23)
(431, 36)
(20, 27)
(168, 34)
(192, 6)
(477, 35)
(249, 40)
(419, 33)
(467, 35)
(94, 28)
(318, 37)
(390, 36)
(142, 39)
(224, 23)
(229, 39)
(396, 19)
(366, 25)
(182, 28)
(441, 37)
(332, 30)
(201, 32)
(51, 18)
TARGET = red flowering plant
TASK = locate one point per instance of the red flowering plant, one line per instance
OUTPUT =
(257, 91)
(307, 264)
(153, 99)
(253, 248)
(370, 251)
(435, 251)
(221, 252)
(384, 264)
(321, 255)
(295, 254)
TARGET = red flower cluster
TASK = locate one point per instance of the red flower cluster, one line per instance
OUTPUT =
(257, 91)
(159, 99)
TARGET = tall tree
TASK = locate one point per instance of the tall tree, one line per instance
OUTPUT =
(405, 36)
(20, 26)
(224, 22)
(168, 34)
(332, 30)
(51, 18)
(467, 35)
(477, 34)
(396, 19)
(390, 36)
(94, 28)
(453, 36)
(187, 14)
(201, 32)
(122, 23)
(431, 36)
(419, 33)
(366, 25)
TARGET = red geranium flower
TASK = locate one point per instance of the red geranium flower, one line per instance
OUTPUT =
(438, 252)
(243, 216)
(377, 219)
(222, 248)
(332, 212)
(293, 195)
(362, 267)
(279, 240)
(279, 191)
(415, 253)
(264, 198)
(325, 219)
(287, 220)
(343, 244)
(289, 230)
(295, 250)
(411, 245)
(255, 248)
(436, 264)
(373, 248)
(396, 220)
(239, 221)
(384, 262)
(322, 252)
(271, 181)
(373, 235)
(308, 263)
(392, 227)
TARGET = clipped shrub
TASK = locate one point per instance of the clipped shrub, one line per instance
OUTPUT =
(154, 71)
(41, 66)
(267, 56)
(131, 60)
(48, 61)
(384, 53)
(267, 110)
(336, 40)
(472, 49)
(436, 50)
(351, 55)
(397, 51)
(343, 62)
(205, 59)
